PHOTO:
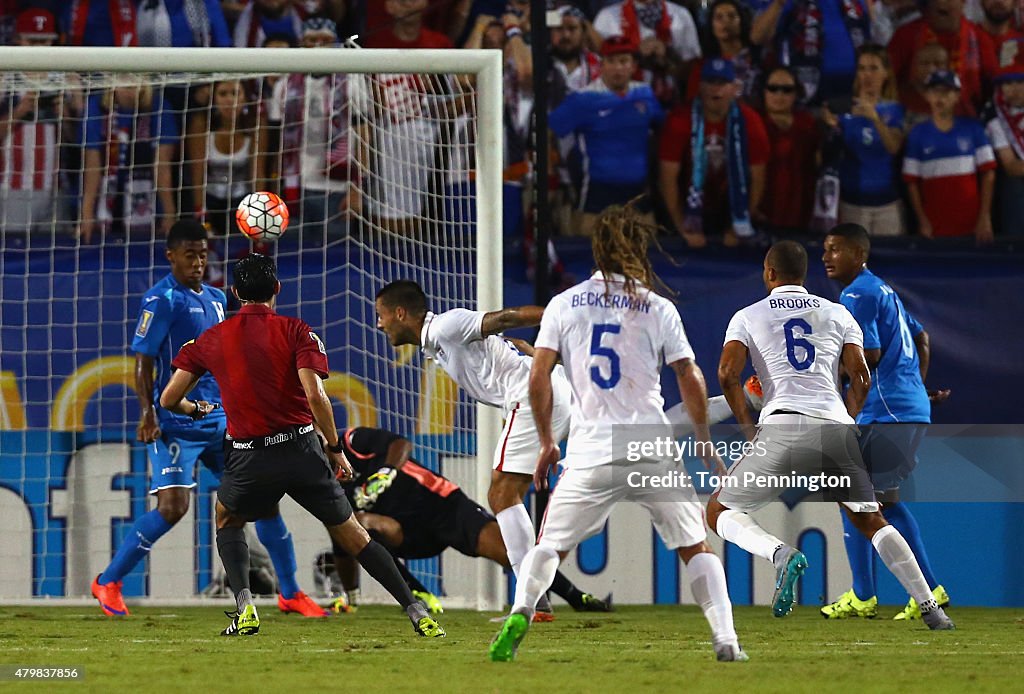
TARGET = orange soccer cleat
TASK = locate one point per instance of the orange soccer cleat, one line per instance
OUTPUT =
(110, 598)
(543, 616)
(302, 604)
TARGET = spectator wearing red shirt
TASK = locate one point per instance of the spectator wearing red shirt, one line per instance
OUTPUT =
(949, 168)
(972, 55)
(712, 157)
(270, 370)
(794, 140)
(407, 30)
(999, 25)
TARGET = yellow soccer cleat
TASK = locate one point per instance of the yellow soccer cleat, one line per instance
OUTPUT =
(429, 600)
(849, 605)
(912, 611)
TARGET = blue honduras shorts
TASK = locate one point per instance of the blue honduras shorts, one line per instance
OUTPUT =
(173, 456)
(889, 450)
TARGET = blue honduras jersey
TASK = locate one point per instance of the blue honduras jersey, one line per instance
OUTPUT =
(171, 315)
(897, 392)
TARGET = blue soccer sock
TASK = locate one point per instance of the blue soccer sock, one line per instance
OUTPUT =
(149, 528)
(274, 535)
(900, 517)
(861, 556)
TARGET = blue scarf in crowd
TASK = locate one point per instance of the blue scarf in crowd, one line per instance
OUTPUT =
(737, 159)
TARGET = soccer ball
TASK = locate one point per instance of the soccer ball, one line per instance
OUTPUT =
(262, 216)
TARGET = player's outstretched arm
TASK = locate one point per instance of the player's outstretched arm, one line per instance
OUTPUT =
(695, 397)
(148, 430)
(509, 318)
(924, 352)
(323, 417)
(173, 396)
(856, 368)
(730, 368)
(541, 402)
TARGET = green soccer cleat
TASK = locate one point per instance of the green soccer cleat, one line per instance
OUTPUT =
(430, 601)
(849, 605)
(785, 582)
(244, 623)
(506, 642)
(426, 626)
(912, 611)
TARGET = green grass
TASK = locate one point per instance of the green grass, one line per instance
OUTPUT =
(633, 650)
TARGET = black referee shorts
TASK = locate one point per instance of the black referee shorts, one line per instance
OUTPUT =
(255, 479)
(457, 523)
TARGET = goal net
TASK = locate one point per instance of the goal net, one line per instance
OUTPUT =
(390, 164)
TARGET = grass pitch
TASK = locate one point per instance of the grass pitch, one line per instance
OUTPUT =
(635, 649)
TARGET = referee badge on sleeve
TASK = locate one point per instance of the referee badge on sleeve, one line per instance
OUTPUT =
(144, 322)
(319, 343)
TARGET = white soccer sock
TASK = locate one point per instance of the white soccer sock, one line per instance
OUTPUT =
(707, 581)
(682, 424)
(742, 530)
(535, 577)
(718, 410)
(898, 558)
(517, 532)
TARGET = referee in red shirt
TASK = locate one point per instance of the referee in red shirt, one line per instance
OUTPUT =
(270, 370)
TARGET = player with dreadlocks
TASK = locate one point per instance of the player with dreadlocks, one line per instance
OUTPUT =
(614, 334)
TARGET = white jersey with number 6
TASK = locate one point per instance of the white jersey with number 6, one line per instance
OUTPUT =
(796, 343)
(613, 346)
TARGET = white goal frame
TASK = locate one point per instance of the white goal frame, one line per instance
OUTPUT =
(485, 65)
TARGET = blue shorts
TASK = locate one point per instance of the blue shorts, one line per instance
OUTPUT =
(173, 456)
(889, 450)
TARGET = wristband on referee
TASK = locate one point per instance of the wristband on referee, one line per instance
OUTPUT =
(336, 448)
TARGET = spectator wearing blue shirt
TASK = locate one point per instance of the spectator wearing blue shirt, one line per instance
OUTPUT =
(872, 135)
(612, 119)
(130, 141)
(894, 418)
(182, 24)
(817, 38)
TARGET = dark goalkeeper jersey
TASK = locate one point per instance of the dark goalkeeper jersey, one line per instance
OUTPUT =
(407, 494)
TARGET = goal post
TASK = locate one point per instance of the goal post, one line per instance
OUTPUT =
(68, 460)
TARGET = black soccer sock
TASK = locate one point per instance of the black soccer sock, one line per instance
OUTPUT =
(564, 588)
(379, 563)
(234, 554)
(412, 581)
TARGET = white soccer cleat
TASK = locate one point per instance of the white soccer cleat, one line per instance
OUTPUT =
(755, 396)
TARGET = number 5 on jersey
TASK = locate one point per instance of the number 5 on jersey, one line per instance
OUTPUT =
(599, 350)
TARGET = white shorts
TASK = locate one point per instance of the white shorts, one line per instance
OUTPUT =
(789, 445)
(519, 442)
(584, 497)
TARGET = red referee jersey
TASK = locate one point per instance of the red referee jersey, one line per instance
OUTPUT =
(255, 357)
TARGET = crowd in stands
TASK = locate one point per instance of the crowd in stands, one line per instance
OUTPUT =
(726, 119)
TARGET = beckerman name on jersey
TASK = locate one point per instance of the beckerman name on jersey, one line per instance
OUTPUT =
(610, 301)
(794, 302)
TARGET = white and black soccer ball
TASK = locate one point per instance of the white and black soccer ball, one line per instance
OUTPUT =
(262, 216)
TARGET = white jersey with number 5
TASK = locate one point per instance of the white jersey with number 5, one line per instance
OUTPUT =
(613, 346)
(796, 343)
